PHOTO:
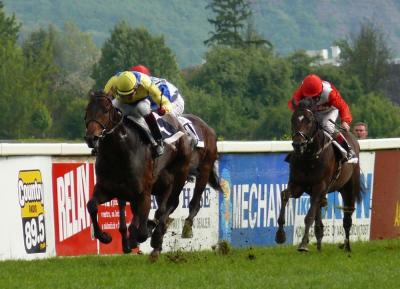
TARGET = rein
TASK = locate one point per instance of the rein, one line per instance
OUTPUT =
(310, 139)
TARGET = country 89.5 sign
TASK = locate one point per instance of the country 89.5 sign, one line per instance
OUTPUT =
(30, 196)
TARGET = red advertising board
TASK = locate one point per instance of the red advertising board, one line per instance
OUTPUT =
(109, 222)
(72, 187)
(385, 219)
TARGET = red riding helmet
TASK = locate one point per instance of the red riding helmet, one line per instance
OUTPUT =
(311, 85)
(141, 68)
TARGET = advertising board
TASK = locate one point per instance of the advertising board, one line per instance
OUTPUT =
(26, 217)
(250, 203)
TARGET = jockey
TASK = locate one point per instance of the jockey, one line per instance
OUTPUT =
(131, 90)
(330, 105)
(141, 68)
(168, 90)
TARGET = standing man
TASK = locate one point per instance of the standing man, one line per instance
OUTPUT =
(360, 130)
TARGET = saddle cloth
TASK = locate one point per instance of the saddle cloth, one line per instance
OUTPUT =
(168, 131)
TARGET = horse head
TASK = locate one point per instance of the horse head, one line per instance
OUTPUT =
(304, 126)
(101, 118)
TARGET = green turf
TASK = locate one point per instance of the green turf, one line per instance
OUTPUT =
(370, 265)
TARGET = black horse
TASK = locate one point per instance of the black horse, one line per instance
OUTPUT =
(317, 169)
(202, 164)
(126, 170)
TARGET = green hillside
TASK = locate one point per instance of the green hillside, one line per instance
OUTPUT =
(289, 24)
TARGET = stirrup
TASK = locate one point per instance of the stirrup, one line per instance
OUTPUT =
(159, 149)
(351, 157)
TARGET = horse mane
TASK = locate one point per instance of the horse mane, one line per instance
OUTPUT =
(93, 94)
(307, 103)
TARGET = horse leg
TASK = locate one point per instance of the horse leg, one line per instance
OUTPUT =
(280, 236)
(138, 231)
(319, 228)
(160, 225)
(308, 221)
(194, 205)
(164, 211)
(122, 227)
(348, 204)
(97, 199)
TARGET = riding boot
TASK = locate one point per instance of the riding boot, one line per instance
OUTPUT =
(158, 145)
(351, 155)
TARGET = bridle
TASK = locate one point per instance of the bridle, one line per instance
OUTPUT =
(307, 139)
(113, 120)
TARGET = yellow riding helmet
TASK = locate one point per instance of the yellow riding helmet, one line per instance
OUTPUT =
(126, 83)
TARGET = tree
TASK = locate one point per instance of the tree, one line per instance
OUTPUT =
(9, 28)
(129, 46)
(245, 83)
(253, 39)
(13, 95)
(382, 117)
(366, 55)
(40, 74)
(229, 21)
(75, 55)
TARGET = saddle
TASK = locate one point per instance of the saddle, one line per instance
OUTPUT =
(169, 132)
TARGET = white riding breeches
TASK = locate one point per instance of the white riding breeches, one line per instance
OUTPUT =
(138, 109)
(178, 106)
(324, 117)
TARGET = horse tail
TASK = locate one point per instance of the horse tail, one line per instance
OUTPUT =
(359, 189)
(213, 179)
(363, 185)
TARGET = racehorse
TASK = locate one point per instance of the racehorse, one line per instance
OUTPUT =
(126, 170)
(317, 169)
(203, 162)
(203, 165)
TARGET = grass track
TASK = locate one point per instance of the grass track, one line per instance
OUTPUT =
(371, 265)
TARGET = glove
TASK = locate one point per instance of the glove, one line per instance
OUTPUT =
(161, 111)
(345, 126)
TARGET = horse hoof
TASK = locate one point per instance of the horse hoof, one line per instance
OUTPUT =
(280, 236)
(104, 237)
(347, 245)
(137, 251)
(154, 255)
(302, 248)
(126, 249)
(187, 232)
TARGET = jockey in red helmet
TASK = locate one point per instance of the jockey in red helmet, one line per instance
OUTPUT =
(141, 68)
(330, 105)
(170, 92)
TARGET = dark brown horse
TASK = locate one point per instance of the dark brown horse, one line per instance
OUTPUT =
(316, 169)
(203, 163)
(126, 170)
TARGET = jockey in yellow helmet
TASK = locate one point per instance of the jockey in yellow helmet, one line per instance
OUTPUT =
(131, 91)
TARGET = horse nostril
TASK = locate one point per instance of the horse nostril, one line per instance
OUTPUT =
(89, 141)
(296, 145)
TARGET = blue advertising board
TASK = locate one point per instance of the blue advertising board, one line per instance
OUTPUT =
(250, 203)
